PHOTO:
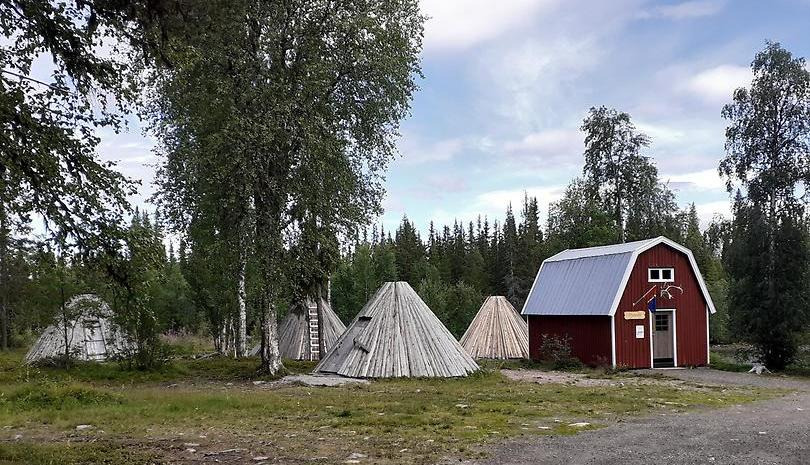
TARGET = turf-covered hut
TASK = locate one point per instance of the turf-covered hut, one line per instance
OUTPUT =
(397, 335)
(638, 304)
(497, 332)
(308, 330)
(91, 333)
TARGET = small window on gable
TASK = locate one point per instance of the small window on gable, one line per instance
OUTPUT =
(661, 275)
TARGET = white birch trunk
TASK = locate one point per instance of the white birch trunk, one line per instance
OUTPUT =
(271, 357)
(241, 297)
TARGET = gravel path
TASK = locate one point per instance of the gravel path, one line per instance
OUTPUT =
(768, 432)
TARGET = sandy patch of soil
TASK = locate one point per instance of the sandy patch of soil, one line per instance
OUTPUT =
(581, 379)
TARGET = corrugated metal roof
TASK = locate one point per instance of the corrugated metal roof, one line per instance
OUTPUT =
(590, 281)
(571, 254)
(578, 286)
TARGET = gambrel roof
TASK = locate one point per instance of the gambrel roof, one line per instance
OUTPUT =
(591, 281)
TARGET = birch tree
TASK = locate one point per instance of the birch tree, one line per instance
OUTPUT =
(612, 159)
(768, 155)
(291, 107)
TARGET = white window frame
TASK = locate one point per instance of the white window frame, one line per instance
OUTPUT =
(660, 280)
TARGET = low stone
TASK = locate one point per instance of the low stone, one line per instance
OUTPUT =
(579, 424)
(356, 455)
(83, 427)
(261, 458)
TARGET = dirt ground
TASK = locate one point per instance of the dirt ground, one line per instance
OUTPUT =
(583, 380)
(773, 431)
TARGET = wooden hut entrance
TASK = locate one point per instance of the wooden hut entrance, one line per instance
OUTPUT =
(94, 340)
(663, 339)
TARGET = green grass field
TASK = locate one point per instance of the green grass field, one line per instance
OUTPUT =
(212, 407)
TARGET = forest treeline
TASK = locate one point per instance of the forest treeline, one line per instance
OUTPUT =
(455, 267)
(275, 123)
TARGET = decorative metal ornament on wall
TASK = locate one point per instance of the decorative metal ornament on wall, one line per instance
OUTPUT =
(665, 290)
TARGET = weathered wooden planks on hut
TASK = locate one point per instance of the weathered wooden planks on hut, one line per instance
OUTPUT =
(91, 334)
(397, 335)
(299, 340)
(497, 332)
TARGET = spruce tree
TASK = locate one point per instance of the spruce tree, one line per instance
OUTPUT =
(767, 147)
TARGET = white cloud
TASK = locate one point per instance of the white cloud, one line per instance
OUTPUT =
(459, 24)
(684, 146)
(535, 78)
(490, 204)
(707, 211)
(497, 200)
(546, 148)
(706, 180)
(685, 10)
(716, 85)
(537, 75)
(416, 151)
(661, 134)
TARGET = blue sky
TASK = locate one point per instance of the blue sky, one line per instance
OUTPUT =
(508, 82)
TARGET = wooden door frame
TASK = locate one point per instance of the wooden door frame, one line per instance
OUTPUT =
(673, 319)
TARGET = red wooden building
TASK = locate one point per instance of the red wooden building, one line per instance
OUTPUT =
(601, 300)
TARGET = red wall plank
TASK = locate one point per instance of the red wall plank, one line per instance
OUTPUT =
(590, 336)
(690, 311)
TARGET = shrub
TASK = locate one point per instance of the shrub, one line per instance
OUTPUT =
(556, 351)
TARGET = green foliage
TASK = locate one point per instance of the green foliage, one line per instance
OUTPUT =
(56, 396)
(769, 302)
(579, 219)
(556, 351)
(455, 304)
(616, 172)
(277, 130)
(136, 273)
(767, 146)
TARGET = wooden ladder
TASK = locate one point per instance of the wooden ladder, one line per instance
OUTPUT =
(314, 332)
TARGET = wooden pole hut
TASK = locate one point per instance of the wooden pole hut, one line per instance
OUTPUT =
(397, 335)
(89, 333)
(497, 332)
(308, 330)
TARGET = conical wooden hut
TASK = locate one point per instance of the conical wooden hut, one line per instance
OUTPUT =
(307, 331)
(91, 334)
(497, 332)
(397, 335)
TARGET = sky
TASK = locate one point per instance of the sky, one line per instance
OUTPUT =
(507, 84)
